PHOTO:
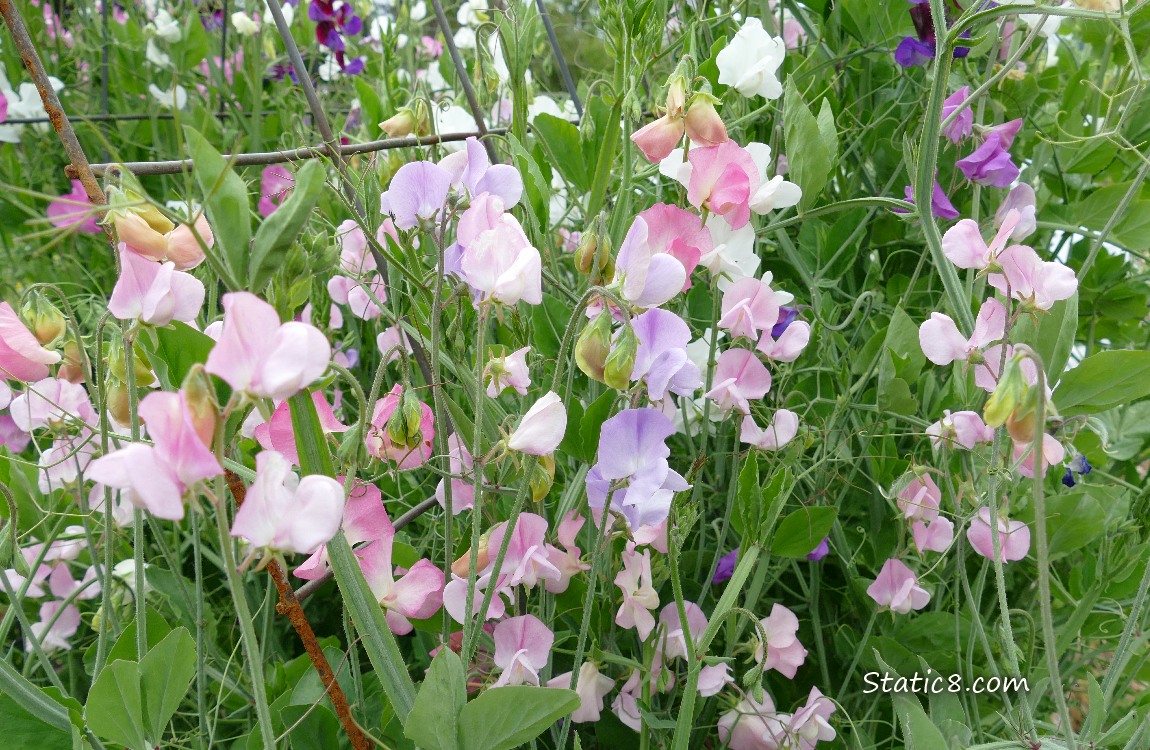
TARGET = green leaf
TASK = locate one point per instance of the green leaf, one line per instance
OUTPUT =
(178, 346)
(801, 531)
(592, 424)
(548, 321)
(279, 231)
(537, 187)
(26, 730)
(314, 455)
(809, 144)
(28, 711)
(166, 672)
(608, 142)
(507, 717)
(709, 68)
(750, 498)
(313, 727)
(917, 730)
(1103, 381)
(115, 708)
(225, 200)
(1056, 335)
(561, 141)
(433, 721)
(774, 497)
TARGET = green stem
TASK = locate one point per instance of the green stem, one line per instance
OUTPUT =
(474, 619)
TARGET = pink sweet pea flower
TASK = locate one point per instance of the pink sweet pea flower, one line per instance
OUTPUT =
(462, 490)
(920, 499)
(178, 246)
(964, 247)
(986, 371)
(897, 588)
(473, 173)
(278, 435)
(416, 195)
(704, 125)
(522, 647)
(964, 429)
(942, 343)
(788, 345)
(35, 587)
(810, 725)
(528, 559)
(566, 561)
(285, 513)
(364, 519)
(157, 476)
(57, 624)
(259, 355)
(21, 356)
(541, 429)
(752, 725)
(497, 260)
(355, 259)
(1022, 199)
(276, 184)
(380, 441)
(73, 210)
(626, 703)
(782, 649)
(417, 594)
(648, 278)
(1052, 455)
(1013, 537)
(54, 403)
(674, 640)
(391, 342)
(963, 125)
(777, 434)
(739, 379)
(933, 537)
(511, 371)
(154, 293)
(723, 180)
(639, 595)
(751, 306)
(1031, 280)
(659, 138)
(592, 687)
(678, 233)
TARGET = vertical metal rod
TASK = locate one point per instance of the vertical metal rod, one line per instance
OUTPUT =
(464, 78)
(59, 120)
(558, 52)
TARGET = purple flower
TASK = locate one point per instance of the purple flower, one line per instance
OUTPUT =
(920, 49)
(1078, 465)
(940, 204)
(661, 358)
(911, 52)
(416, 194)
(964, 122)
(819, 552)
(726, 567)
(991, 164)
(472, 171)
(787, 315)
(332, 22)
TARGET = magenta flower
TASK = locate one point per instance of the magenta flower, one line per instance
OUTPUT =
(591, 687)
(781, 649)
(276, 184)
(782, 430)
(473, 173)
(942, 343)
(259, 355)
(462, 490)
(506, 372)
(278, 435)
(639, 595)
(723, 180)
(920, 499)
(933, 537)
(417, 594)
(964, 429)
(522, 647)
(678, 233)
(541, 429)
(661, 359)
(739, 379)
(72, 209)
(751, 306)
(1031, 280)
(156, 477)
(284, 513)
(940, 204)
(964, 123)
(897, 589)
(991, 164)
(21, 356)
(497, 260)
(1013, 537)
(419, 431)
(154, 293)
(819, 552)
(648, 278)
(416, 195)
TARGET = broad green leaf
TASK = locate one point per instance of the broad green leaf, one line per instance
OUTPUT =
(1103, 381)
(166, 672)
(548, 321)
(917, 730)
(179, 346)
(1056, 335)
(592, 424)
(226, 201)
(774, 497)
(608, 142)
(507, 717)
(276, 235)
(536, 187)
(573, 436)
(433, 721)
(115, 708)
(809, 157)
(750, 499)
(561, 141)
(27, 730)
(313, 727)
(709, 68)
(801, 531)
(125, 646)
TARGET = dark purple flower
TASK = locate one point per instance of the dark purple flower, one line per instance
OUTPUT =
(940, 204)
(787, 316)
(821, 551)
(1078, 465)
(726, 567)
(990, 164)
(912, 51)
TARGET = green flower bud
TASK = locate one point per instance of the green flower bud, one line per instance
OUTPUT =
(1010, 393)
(621, 361)
(46, 322)
(118, 367)
(200, 396)
(593, 347)
(403, 425)
(542, 476)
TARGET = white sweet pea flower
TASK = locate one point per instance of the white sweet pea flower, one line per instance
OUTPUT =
(171, 98)
(166, 27)
(244, 24)
(734, 254)
(750, 62)
(156, 56)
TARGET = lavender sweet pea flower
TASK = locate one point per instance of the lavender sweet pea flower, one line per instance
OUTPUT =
(726, 567)
(416, 194)
(787, 315)
(940, 204)
(991, 164)
(911, 52)
(473, 172)
(963, 124)
(661, 358)
(819, 552)
(920, 49)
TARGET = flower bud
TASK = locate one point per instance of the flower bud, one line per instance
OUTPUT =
(704, 125)
(593, 347)
(130, 198)
(585, 253)
(676, 94)
(119, 405)
(72, 368)
(621, 361)
(462, 566)
(403, 425)
(542, 476)
(1022, 424)
(140, 366)
(45, 321)
(404, 122)
(1008, 395)
(200, 396)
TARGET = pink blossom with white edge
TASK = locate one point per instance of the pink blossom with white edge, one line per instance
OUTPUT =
(506, 372)
(739, 379)
(781, 431)
(789, 345)
(942, 343)
(154, 293)
(541, 429)
(417, 594)
(639, 595)
(962, 429)
(1013, 536)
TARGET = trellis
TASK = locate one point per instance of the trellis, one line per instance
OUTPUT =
(79, 167)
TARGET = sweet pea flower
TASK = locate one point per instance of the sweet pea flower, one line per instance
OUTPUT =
(260, 356)
(723, 179)
(986, 372)
(497, 259)
(963, 124)
(276, 184)
(1053, 453)
(935, 536)
(964, 247)
(459, 461)
(277, 434)
(528, 559)
(639, 595)
(809, 725)
(285, 513)
(1031, 280)
(157, 476)
(541, 429)
(703, 123)
(417, 594)
(416, 195)
(473, 173)
(648, 278)
(658, 138)
(21, 356)
(990, 164)
(364, 520)
(785, 345)
(674, 638)
(591, 687)
(1013, 537)
(920, 499)
(1079, 465)
(754, 725)
(942, 343)
(678, 233)
(58, 622)
(522, 647)
(567, 561)
(73, 210)
(506, 372)
(819, 552)
(897, 589)
(781, 649)
(409, 447)
(52, 402)
(940, 204)
(739, 379)
(66, 460)
(177, 245)
(781, 431)
(733, 253)
(661, 359)
(750, 305)
(1022, 199)
(751, 60)
(154, 293)
(964, 429)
